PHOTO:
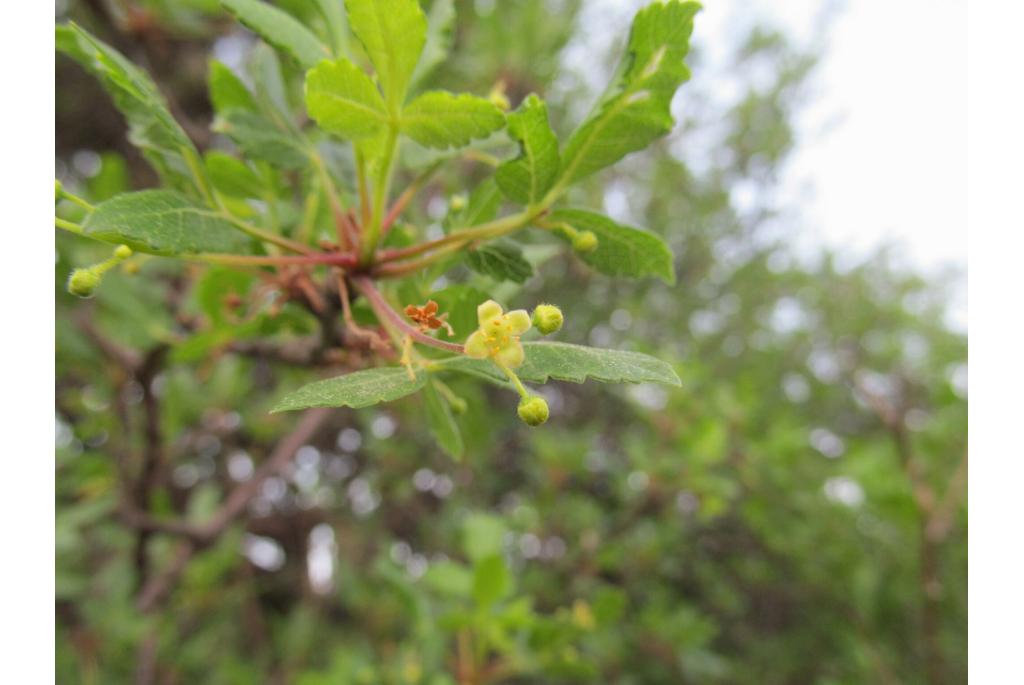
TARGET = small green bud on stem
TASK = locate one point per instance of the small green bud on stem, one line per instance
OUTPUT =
(83, 282)
(584, 241)
(547, 318)
(457, 203)
(533, 410)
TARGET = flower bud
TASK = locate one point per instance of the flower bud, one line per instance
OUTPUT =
(458, 405)
(547, 318)
(123, 252)
(457, 203)
(584, 241)
(83, 282)
(533, 410)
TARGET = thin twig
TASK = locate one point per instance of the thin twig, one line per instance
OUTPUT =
(384, 310)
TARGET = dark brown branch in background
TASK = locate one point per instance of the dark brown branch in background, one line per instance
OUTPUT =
(935, 518)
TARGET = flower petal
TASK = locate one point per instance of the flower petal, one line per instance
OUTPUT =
(487, 311)
(511, 355)
(476, 346)
(518, 321)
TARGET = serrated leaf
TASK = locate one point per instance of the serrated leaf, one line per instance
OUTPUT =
(636, 110)
(482, 206)
(162, 222)
(280, 29)
(344, 101)
(441, 119)
(621, 250)
(440, 24)
(491, 581)
(227, 91)
(261, 140)
(393, 33)
(528, 178)
(231, 176)
(573, 363)
(151, 127)
(441, 422)
(502, 261)
(357, 390)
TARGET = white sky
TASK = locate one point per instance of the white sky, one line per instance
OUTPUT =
(882, 157)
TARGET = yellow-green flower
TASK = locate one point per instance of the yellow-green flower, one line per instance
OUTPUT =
(498, 335)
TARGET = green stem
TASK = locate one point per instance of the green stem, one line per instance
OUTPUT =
(520, 388)
(199, 177)
(260, 234)
(69, 226)
(487, 231)
(343, 260)
(380, 195)
(77, 200)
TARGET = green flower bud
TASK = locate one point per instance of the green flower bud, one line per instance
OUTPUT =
(547, 318)
(457, 203)
(123, 252)
(83, 282)
(458, 405)
(584, 241)
(533, 410)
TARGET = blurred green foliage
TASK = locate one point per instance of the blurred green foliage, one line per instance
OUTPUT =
(793, 514)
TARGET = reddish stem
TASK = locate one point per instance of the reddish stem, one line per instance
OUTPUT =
(384, 310)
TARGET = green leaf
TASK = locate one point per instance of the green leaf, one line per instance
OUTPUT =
(460, 302)
(491, 581)
(635, 111)
(151, 127)
(621, 250)
(482, 206)
(528, 178)
(344, 101)
(357, 390)
(393, 33)
(162, 222)
(442, 423)
(440, 24)
(449, 578)
(227, 91)
(280, 29)
(232, 176)
(502, 261)
(260, 139)
(337, 25)
(441, 119)
(573, 363)
(483, 535)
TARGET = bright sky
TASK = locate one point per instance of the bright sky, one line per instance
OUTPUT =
(883, 154)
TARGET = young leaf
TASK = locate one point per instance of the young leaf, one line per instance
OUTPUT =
(528, 178)
(483, 536)
(357, 390)
(280, 29)
(621, 250)
(344, 101)
(261, 140)
(441, 119)
(393, 33)
(231, 176)
(440, 22)
(441, 422)
(227, 91)
(502, 261)
(636, 110)
(162, 222)
(151, 126)
(449, 578)
(491, 580)
(573, 363)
